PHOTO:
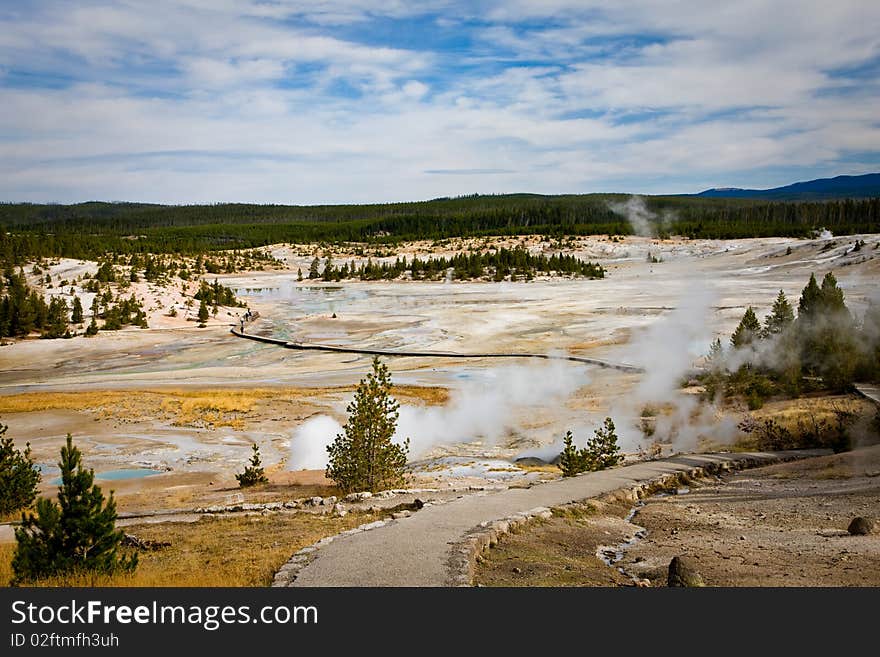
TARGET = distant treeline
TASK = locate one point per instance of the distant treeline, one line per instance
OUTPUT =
(501, 264)
(87, 230)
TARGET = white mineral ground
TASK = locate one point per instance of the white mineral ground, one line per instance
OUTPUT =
(597, 318)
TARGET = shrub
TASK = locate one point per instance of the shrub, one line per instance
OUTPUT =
(75, 535)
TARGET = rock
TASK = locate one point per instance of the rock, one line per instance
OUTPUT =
(517, 570)
(372, 525)
(400, 515)
(329, 501)
(417, 504)
(643, 583)
(860, 526)
(340, 510)
(314, 501)
(358, 497)
(682, 573)
(145, 544)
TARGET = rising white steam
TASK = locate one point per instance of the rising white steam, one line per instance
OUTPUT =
(668, 350)
(642, 220)
(308, 447)
(485, 408)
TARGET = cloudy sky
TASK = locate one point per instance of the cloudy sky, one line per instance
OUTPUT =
(315, 101)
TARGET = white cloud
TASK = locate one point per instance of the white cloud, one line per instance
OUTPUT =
(295, 101)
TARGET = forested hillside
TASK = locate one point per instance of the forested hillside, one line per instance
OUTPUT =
(88, 230)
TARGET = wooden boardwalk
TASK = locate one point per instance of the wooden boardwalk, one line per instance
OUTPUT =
(304, 346)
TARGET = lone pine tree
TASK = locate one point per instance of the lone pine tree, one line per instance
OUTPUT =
(75, 535)
(254, 473)
(364, 457)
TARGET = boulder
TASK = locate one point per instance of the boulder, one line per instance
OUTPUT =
(683, 573)
(861, 526)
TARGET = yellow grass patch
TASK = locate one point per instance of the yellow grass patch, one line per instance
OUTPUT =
(204, 407)
(243, 550)
(547, 467)
(789, 412)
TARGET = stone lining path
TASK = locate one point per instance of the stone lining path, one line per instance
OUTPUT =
(424, 549)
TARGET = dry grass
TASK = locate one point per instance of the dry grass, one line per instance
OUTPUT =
(6, 552)
(557, 552)
(242, 550)
(789, 412)
(203, 407)
(547, 467)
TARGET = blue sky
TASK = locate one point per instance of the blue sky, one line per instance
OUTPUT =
(325, 101)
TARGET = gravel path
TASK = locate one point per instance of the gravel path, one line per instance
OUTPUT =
(417, 551)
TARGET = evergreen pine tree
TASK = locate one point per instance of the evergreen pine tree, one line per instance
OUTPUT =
(327, 274)
(313, 269)
(76, 315)
(602, 449)
(364, 457)
(748, 331)
(19, 476)
(56, 319)
(299, 274)
(571, 460)
(254, 473)
(781, 316)
(92, 328)
(203, 311)
(77, 534)
(831, 296)
(809, 302)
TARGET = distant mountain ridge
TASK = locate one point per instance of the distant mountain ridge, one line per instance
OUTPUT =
(864, 186)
